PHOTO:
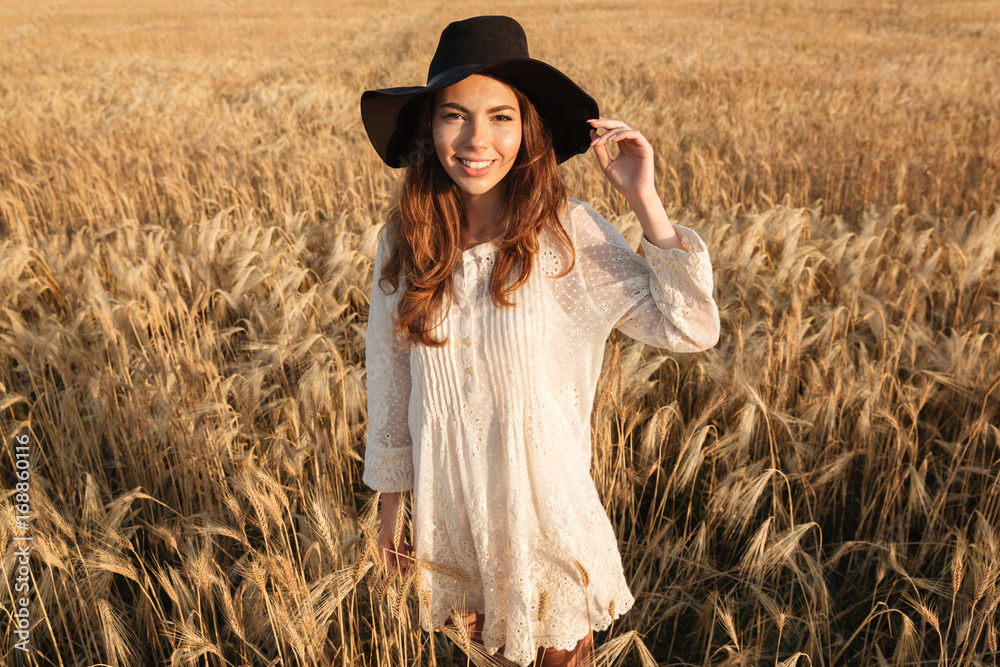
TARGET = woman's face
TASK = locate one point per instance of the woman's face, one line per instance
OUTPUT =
(477, 132)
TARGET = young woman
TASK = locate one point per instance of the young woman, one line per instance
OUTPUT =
(492, 300)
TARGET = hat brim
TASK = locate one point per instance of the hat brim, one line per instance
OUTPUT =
(390, 114)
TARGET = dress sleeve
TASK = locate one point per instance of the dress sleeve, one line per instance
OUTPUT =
(664, 300)
(388, 448)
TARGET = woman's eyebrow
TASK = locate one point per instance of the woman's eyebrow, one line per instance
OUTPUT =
(502, 107)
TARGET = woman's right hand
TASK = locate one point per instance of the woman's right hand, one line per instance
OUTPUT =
(396, 557)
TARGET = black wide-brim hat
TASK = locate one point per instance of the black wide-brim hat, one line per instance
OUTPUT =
(493, 45)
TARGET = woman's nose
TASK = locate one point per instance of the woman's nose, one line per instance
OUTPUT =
(476, 136)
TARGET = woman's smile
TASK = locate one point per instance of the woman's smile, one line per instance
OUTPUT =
(474, 164)
(476, 168)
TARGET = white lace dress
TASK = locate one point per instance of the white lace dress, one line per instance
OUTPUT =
(492, 431)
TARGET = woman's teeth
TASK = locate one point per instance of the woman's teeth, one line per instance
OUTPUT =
(476, 165)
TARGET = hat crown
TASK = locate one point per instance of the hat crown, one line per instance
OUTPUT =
(479, 40)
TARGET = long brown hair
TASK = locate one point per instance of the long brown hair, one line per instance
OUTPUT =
(423, 224)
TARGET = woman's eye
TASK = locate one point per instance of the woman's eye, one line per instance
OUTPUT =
(452, 115)
(503, 117)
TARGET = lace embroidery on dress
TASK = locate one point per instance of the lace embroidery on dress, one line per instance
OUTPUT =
(549, 262)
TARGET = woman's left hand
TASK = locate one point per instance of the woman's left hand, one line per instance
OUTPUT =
(631, 173)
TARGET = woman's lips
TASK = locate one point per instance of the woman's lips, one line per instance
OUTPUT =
(476, 172)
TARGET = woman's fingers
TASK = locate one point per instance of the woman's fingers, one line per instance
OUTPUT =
(404, 559)
(607, 123)
(398, 560)
(617, 132)
(618, 135)
(606, 137)
(614, 129)
(600, 151)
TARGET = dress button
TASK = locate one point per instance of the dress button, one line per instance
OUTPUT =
(468, 370)
(467, 340)
(465, 310)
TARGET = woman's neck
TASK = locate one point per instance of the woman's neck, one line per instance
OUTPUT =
(482, 218)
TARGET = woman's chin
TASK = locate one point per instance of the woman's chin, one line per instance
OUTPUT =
(475, 189)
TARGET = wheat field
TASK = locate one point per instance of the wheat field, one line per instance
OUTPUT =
(188, 217)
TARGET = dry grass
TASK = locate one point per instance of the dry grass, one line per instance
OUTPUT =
(187, 209)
